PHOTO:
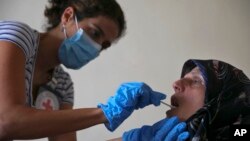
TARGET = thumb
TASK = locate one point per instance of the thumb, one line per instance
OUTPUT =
(183, 136)
(165, 128)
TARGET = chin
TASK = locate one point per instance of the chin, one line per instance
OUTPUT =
(173, 112)
(170, 113)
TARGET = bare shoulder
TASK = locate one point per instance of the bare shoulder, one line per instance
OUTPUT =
(12, 74)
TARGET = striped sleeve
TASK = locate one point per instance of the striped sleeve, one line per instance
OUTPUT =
(19, 34)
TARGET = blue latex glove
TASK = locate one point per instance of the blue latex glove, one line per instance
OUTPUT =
(129, 96)
(168, 129)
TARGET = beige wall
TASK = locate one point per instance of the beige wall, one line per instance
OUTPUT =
(161, 35)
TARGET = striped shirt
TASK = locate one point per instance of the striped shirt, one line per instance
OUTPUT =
(28, 40)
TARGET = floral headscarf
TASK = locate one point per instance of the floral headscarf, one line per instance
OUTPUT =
(227, 100)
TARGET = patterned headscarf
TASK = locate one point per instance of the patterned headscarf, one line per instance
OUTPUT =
(227, 100)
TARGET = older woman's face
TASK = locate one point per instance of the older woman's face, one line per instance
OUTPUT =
(189, 95)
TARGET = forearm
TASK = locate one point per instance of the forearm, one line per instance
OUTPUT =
(29, 123)
(67, 136)
(64, 137)
(116, 139)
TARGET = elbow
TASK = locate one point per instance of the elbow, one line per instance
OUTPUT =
(6, 126)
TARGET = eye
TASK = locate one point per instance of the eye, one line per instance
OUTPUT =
(197, 82)
(95, 34)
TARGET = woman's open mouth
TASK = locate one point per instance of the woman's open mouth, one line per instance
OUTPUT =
(174, 101)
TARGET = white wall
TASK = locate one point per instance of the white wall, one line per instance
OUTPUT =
(161, 35)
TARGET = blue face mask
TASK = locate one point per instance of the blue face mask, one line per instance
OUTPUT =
(78, 50)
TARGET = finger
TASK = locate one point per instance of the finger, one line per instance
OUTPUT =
(145, 97)
(183, 136)
(157, 97)
(166, 128)
(176, 131)
(158, 125)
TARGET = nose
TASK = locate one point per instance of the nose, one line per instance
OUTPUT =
(177, 86)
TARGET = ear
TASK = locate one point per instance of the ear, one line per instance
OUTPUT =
(68, 14)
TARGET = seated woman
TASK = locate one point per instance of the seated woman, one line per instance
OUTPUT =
(226, 99)
(210, 96)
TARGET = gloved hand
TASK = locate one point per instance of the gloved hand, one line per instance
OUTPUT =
(168, 129)
(129, 96)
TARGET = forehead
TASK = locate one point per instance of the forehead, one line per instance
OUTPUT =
(195, 72)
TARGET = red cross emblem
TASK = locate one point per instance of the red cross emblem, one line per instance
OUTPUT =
(47, 104)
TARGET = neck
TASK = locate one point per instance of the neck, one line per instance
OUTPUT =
(47, 57)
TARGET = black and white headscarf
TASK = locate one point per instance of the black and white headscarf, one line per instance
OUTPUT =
(227, 100)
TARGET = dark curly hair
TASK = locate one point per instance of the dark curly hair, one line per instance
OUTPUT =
(83, 9)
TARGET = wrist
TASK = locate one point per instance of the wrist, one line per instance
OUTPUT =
(101, 116)
(108, 116)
